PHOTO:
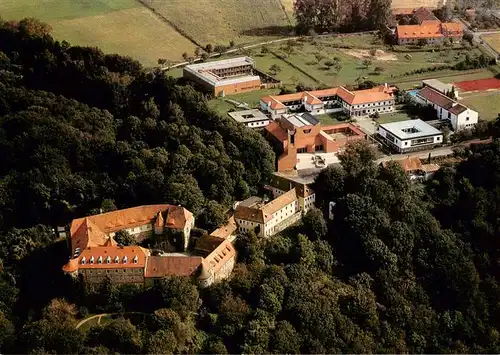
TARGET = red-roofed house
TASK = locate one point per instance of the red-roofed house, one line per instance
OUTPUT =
(354, 103)
(431, 31)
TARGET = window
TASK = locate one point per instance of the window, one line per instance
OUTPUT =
(319, 147)
(83, 261)
(467, 118)
(406, 143)
(302, 150)
(125, 259)
(449, 115)
(92, 259)
(438, 138)
(306, 131)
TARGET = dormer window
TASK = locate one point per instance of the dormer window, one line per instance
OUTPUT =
(117, 259)
(99, 260)
(125, 259)
(83, 261)
(108, 259)
(136, 259)
(92, 259)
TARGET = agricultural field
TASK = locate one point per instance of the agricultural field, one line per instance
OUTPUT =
(222, 21)
(493, 40)
(116, 26)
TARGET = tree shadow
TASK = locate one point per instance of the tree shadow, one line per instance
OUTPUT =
(269, 31)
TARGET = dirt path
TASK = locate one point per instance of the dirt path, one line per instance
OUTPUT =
(99, 316)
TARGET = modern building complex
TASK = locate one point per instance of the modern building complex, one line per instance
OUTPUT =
(299, 134)
(95, 255)
(250, 118)
(410, 135)
(354, 103)
(414, 168)
(267, 219)
(228, 76)
(459, 116)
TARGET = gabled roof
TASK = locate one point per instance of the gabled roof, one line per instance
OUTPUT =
(226, 230)
(161, 266)
(109, 257)
(436, 97)
(311, 99)
(432, 30)
(278, 132)
(423, 14)
(207, 243)
(408, 164)
(220, 256)
(278, 203)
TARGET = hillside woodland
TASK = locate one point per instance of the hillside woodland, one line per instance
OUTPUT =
(401, 267)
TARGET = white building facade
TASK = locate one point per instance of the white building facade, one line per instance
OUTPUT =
(410, 135)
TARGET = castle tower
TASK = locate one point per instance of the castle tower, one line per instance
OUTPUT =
(159, 224)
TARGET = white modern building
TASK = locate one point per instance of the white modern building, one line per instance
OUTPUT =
(460, 116)
(410, 135)
(250, 118)
(441, 87)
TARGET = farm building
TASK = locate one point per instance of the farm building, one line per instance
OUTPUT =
(410, 135)
(228, 76)
(431, 31)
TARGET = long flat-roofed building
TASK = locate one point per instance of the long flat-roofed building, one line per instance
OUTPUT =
(298, 134)
(410, 135)
(356, 103)
(228, 76)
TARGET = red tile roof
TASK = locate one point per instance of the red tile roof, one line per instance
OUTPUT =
(220, 256)
(432, 30)
(109, 257)
(161, 266)
(278, 132)
(226, 230)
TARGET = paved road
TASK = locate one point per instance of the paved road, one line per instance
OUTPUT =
(477, 38)
(423, 154)
(90, 318)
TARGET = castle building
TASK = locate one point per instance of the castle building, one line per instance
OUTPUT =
(282, 183)
(95, 255)
(267, 219)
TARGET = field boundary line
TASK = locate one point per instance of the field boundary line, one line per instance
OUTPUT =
(296, 67)
(285, 12)
(168, 22)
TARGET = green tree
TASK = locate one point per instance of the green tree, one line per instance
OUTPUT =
(179, 294)
(124, 238)
(380, 13)
(314, 224)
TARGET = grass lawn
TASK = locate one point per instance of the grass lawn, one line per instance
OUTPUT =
(447, 76)
(251, 98)
(327, 119)
(393, 117)
(493, 40)
(116, 26)
(305, 55)
(222, 21)
(487, 104)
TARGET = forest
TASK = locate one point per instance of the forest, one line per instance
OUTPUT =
(401, 267)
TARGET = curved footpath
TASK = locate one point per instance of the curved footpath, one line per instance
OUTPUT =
(90, 318)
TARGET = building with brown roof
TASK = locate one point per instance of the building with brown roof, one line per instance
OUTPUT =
(414, 168)
(458, 115)
(96, 256)
(296, 135)
(355, 103)
(267, 219)
(432, 31)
